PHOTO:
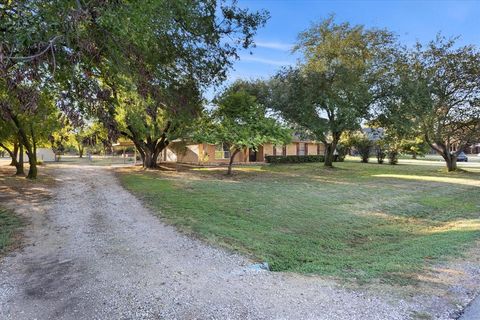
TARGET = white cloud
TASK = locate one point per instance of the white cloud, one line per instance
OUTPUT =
(266, 61)
(274, 45)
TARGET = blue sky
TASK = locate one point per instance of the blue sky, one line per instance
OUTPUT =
(410, 20)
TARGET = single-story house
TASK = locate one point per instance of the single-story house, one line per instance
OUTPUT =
(473, 148)
(210, 154)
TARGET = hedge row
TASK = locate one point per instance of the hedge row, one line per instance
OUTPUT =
(294, 159)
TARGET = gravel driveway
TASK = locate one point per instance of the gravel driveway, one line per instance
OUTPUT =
(93, 251)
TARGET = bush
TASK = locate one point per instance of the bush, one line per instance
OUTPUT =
(393, 157)
(294, 159)
(380, 156)
(363, 146)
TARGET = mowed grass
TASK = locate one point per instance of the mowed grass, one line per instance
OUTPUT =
(9, 223)
(358, 221)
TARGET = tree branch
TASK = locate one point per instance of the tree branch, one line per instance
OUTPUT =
(49, 46)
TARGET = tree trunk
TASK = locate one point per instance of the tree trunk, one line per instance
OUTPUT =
(414, 155)
(444, 150)
(328, 155)
(32, 161)
(32, 156)
(80, 151)
(32, 171)
(19, 163)
(451, 161)
(31, 147)
(230, 163)
(330, 150)
(149, 159)
(19, 168)
(150, 152)
(149, 148)
(15, 154)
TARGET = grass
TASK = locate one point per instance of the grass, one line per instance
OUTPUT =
(358, 221)
(9, 223)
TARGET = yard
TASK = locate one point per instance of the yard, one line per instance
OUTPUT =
(12, 190)
(358, 221)
(9, 223)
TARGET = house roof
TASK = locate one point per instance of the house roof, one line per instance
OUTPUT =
(301, 137)
(374, 134)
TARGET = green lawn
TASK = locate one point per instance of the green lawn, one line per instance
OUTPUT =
(8, 224)
(358, 221)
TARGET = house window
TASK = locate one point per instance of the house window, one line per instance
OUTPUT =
(279, 150)
(300, 149)
(222, 151)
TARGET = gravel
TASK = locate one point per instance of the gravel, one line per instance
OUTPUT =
(93, 251)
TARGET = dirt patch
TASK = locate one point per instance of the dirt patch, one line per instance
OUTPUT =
(12, 187)
(20, 196)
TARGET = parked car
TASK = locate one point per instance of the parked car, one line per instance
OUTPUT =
(462, 157)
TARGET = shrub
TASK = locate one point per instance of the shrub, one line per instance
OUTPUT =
(364, 147)
(393, 157)
(294, 159)
(380, 155)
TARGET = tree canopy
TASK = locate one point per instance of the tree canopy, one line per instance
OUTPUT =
(343, 73)
(139, 67)
(437, 97)
(155, 64)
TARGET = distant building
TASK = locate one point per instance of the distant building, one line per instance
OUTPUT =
(43, 154)
(474, 148)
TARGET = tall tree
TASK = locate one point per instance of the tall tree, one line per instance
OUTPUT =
(241, 123)
(155, 48)
(152, 61)
(31, 115)
(343, 73)
(151, 126)
(438, 96)
(27, 60)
